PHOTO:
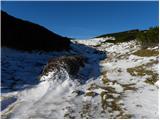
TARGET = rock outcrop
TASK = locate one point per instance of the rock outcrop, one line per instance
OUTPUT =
(24, 35)
(71, 64)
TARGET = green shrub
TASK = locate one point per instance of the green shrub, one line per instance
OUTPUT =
(148, 38)
(122, 36)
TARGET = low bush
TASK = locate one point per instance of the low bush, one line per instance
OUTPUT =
(122, 36)
(148, 38)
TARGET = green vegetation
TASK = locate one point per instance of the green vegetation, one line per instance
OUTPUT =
(108, 100)
(93, 86)
(86, 109)
(129, 87)
(92, 94)
(142, 71)
(105, 79)
(114, 105)
(122, 36)
(103, 100)
(153, 79)
(68, 116)
(148, 38)
(139, 71)
(146, 53)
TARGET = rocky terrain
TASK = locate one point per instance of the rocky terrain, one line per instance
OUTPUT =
(116, 81)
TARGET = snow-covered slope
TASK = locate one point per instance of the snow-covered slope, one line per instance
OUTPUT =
(109, 86)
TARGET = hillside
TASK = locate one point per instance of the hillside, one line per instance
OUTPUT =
(149, 36)
(25, 35)
(122, 36)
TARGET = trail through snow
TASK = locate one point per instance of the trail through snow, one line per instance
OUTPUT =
(104, 88)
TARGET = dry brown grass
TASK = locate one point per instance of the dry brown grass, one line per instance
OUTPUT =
(146, 53)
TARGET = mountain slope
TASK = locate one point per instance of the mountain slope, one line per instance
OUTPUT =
(116, 82)
(24, 35)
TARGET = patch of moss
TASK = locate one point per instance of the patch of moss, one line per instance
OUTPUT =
(108, 100)
(141, 71)
(92, 94)
(125, 116)
(103, 100)
(98, 45)
(114, 105)
(108, 89)
(151, 63)
(104, 96)
(153, 79)
(86, 110)
(93, 86)
(129, 87)
(146, 53)
(67, 115)
(105, 80)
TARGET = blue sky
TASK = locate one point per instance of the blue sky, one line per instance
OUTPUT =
(86, 19)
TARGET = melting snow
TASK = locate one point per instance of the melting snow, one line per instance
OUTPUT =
(61, 96)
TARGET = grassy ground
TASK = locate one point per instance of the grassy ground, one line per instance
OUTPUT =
(143, 70)
(146, 53)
